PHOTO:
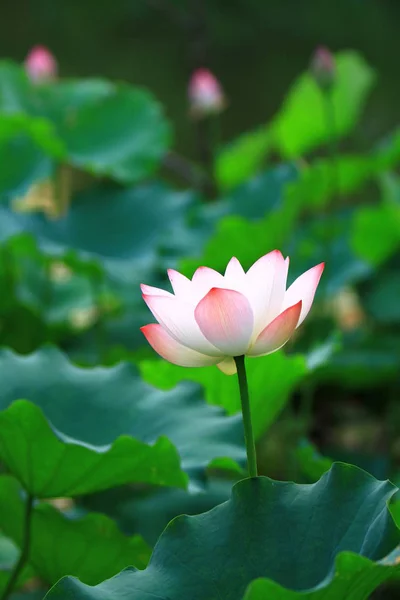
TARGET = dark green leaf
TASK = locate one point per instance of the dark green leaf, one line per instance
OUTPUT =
(50, 464)
(139, 215)
(89, 547)
(290, 534)
(148, 512)
(113, 130)
(93, 414)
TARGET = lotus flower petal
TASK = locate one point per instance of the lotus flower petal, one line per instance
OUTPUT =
(180, 284)
(177, 318)
(167, 347)
(226, 319)
(278, 332)
(304, 288)
(149, 290)
(235, 277)
(266, 284)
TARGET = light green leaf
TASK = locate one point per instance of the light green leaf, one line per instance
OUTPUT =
(301, 124)
(312, 464)
(242, 158)
(376, 229)
(272, 380)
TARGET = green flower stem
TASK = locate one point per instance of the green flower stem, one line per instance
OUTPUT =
(248, 429)
(25, 549)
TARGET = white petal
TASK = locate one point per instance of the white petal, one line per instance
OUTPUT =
(177, 318)
(203, 280)
(173, 351)
(277, 333)
(226, 319)
(180, 284)
(304, 288)
(266, 283)
(149, 290)
(227, 366)
(235, 277)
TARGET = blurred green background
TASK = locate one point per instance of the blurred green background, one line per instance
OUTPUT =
(255, 47)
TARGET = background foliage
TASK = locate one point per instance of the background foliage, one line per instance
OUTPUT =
(106, 181)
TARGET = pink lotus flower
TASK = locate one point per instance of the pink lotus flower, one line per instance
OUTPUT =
(205, 94)
(40, 65)
(213, 318)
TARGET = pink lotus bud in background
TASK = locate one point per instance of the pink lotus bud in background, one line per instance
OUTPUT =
(323, 67)
(40, 65)
(213, 318)
(205, 94)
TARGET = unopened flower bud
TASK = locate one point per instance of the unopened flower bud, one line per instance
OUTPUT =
(206, 96)
(40, 65)
(323, 68)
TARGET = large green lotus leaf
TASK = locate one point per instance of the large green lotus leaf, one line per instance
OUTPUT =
(93, 413)
(89, 547)
(301, 124)
(9, 554)
(272, 380)
(321, 536)
(139, 216)
(108, 129)
(50, 464)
